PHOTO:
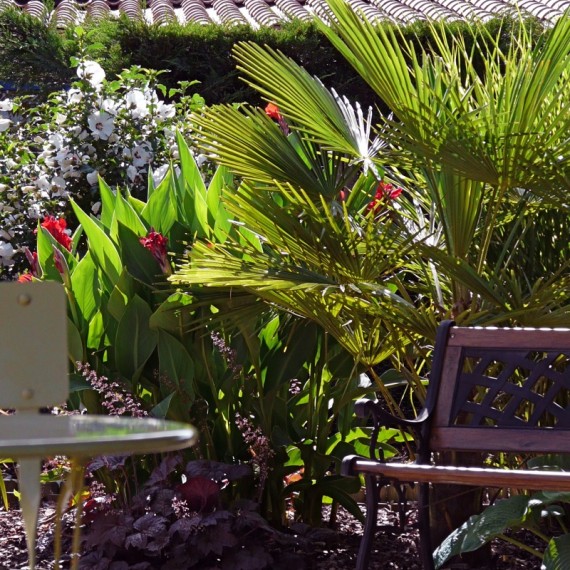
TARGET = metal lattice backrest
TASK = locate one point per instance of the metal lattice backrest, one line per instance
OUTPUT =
(33, 345)
(503, 389)
(511, 388)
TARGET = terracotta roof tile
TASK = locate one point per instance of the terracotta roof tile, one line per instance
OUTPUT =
(271, 12)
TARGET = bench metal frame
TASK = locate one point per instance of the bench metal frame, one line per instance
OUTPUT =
(490, 390)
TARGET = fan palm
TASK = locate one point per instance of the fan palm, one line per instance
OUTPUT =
(472, 149)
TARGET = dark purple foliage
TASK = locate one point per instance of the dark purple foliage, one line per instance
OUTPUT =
(201, 494)
(172, 525)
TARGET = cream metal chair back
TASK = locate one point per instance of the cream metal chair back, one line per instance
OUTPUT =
(33, 346)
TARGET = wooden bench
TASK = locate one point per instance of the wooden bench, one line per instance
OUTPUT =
(490, 390)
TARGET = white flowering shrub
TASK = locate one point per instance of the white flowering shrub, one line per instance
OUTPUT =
(114, 129)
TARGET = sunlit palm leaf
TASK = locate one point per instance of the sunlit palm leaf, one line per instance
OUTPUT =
(318, 265)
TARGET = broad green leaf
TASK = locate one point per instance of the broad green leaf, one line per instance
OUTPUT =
(75, 349)
(96, 331)
(85, 287)
(108, 200)
(160, 211)
(479, 529)
(120, 296)
(139, 262)
(161, 410)
(101, 247)
(175, 363)
(557, 554)
(190, 171)
(135, 341)
(127, 215)
(173, 315)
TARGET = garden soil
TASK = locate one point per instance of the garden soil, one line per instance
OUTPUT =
(319, 548)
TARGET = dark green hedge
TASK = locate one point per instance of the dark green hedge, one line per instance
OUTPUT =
(31, 53)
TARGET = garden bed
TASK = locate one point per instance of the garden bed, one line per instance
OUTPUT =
(315, 549)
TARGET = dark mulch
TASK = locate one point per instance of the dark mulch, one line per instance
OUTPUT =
(320, 549)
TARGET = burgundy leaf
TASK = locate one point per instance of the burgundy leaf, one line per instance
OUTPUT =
(200, 493)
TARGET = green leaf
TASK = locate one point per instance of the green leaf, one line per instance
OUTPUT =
(190, 171)
(121, 295)
(161, 410)
(173, 315)
(160, 211)
(85, 287)
(127, 215)
(107, 203)
(135, 341)
(557, 554)
(175, 363)
(75, 349)
(101, 247)
(139, 262)
(96, 331)
(480, 529)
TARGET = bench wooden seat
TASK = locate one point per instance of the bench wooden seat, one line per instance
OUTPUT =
(490, 390)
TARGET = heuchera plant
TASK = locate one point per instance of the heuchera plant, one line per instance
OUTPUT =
(181, 519)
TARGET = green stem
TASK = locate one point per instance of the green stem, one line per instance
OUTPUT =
(521, 545)
(489, 226)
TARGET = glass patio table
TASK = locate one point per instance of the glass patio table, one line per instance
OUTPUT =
(29, 438)
(34, 375)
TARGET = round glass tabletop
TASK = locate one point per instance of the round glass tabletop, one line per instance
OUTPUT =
(25, 435)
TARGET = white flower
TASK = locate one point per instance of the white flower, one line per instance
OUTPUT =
(43, 183)
(6, 105)
(60, 118)
(142, 155)
(34, 211)
(164, 110)
(74, 96)
(6, 253)
(92, 72)
(132, 173)
(110, 106)
(4, 125)
(58, 186)
(92, 177)
(28, 189)
(101, 124)
(56, 140)
(137, 103)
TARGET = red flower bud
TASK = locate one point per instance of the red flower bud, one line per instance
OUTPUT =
(272, 111)
(156, 243)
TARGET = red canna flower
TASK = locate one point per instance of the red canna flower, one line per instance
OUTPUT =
(57, 227)
(156, 243)
(272, 111)
(384, 192)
